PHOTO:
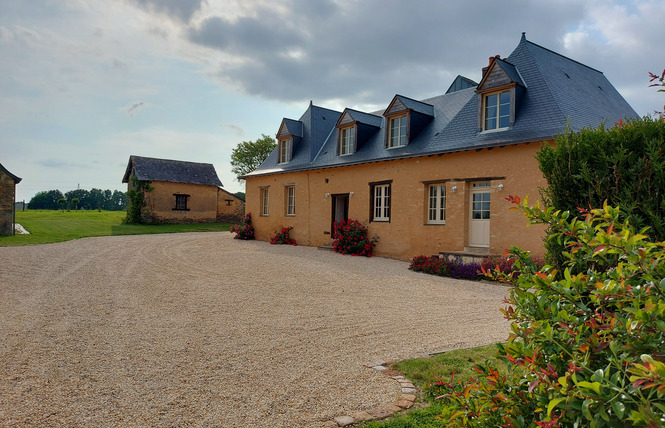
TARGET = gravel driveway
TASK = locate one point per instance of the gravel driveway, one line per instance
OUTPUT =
(199, 329)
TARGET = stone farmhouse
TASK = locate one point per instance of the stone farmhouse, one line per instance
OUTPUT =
(431, 176)
(183, 192)
(8, 182)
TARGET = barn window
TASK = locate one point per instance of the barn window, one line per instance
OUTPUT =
(180, 202)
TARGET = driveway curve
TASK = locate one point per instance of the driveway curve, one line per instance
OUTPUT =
(199, 329)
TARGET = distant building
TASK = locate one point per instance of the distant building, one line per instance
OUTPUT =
(431, 176)
(183, 192)
(8, 182)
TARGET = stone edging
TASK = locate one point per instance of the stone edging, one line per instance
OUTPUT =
(404, 402)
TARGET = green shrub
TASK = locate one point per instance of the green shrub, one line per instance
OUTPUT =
(137, 212)
(587, 348)
(623, 165)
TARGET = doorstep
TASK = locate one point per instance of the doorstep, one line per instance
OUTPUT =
(469, 255)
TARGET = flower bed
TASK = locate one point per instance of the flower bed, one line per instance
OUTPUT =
(244, 230)
(351, 238)
(282, 237)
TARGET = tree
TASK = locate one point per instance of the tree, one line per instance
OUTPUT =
(46, 200)
(250, 154)
(240, 195)
(76, 201)
(62, 202)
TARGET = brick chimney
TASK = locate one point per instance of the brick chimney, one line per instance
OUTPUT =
(490, 63)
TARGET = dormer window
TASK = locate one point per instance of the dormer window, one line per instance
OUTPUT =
(499, 92)
(285, 150)
(347, 139)
(496, 111)
(397, 131)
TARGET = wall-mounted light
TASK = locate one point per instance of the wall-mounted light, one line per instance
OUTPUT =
(454, 188)
(501, 187)
(350, 193)
(327, 195)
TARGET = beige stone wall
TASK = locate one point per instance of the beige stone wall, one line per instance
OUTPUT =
(7, 196)
(229, 207)
(201, 204)
(407, 234)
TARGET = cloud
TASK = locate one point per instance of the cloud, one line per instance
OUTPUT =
(181, 10)
(355, 50)
(134, 108)
(235, 128)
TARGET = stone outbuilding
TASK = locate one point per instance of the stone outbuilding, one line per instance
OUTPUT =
(8, 182)
(182, 192)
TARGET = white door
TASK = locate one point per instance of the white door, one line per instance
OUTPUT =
(479, 223)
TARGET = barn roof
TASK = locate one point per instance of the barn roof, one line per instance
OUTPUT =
(173, 171)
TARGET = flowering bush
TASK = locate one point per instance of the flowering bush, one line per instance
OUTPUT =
(282, 237)
(586, 345)
(445, 267)
(350, 237)
(244, 230)
(509, 265)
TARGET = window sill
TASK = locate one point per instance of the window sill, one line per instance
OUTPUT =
(289, 215)
(434, 224)
(380, 220)
(180, 209)
(396, 147)
(490, 131)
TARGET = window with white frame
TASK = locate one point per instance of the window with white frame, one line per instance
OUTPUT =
(497, 111)
(264, 202)
(397, 131)
(290, 200)
(436, 213)
(381, 202)
(347, 140)
(285, 150)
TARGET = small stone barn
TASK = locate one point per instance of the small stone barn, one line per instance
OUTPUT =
(182, 192)
(8, 182)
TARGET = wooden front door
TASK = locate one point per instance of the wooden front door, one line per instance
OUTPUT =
(340, 210)
(479, 221)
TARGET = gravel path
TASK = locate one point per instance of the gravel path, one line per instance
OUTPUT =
(198, 329)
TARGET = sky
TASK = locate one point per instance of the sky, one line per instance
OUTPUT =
(84, 84)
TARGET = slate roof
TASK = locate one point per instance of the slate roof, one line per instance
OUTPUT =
(460, 83)
(366, 118)
(14, 177)
(558, 91)
(419, 106)
(293, 127)
(510, 70)
(172, 171)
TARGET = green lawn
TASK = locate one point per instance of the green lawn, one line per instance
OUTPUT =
(423, 370)
(47, 226)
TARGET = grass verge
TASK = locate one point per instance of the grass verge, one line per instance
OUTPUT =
(422, 371)
(47, 226)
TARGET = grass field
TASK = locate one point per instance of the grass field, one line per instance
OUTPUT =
(48, 226)
(423, 370)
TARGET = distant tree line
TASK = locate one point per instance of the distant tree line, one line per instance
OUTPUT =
(79, 199)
